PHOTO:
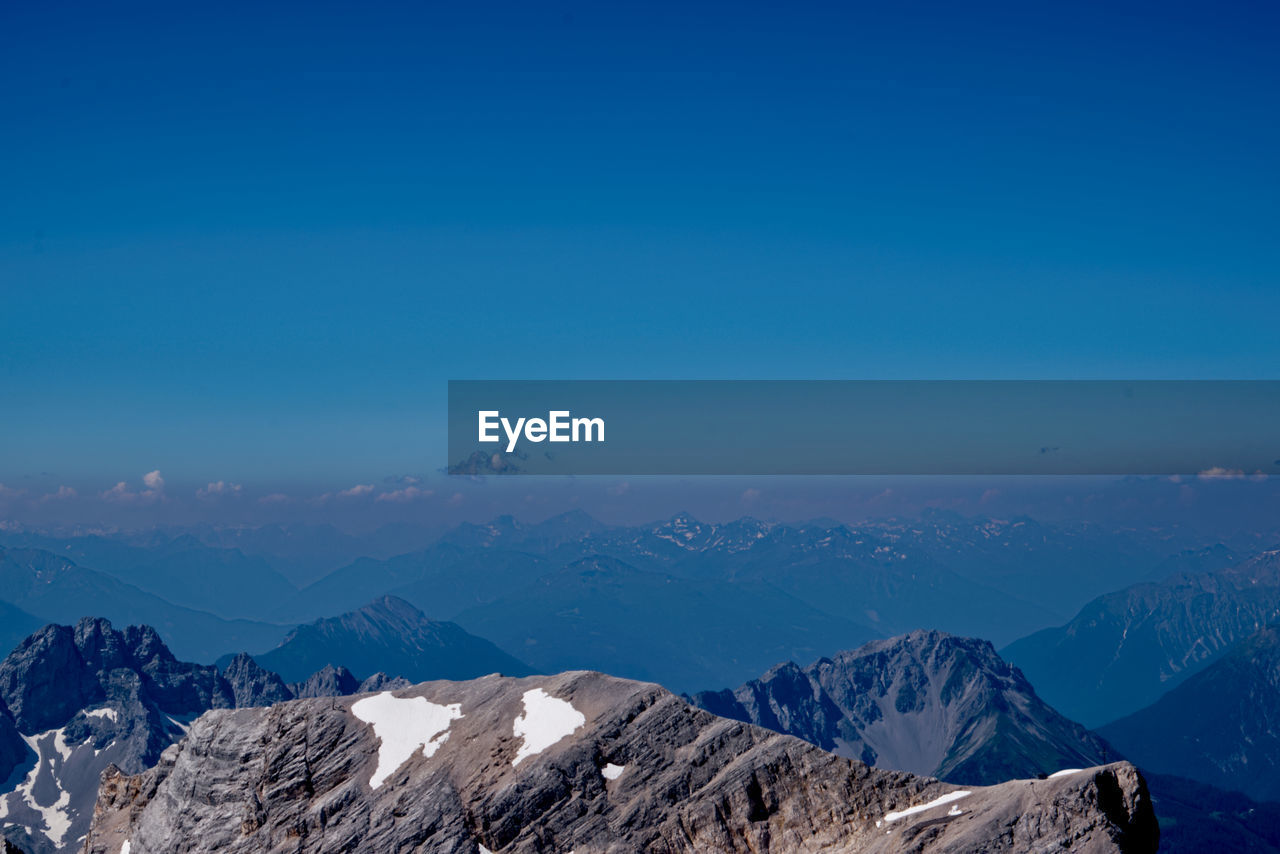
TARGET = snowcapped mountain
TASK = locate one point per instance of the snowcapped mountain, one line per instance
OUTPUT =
(577, 762)
(927, 702)
(75, 700)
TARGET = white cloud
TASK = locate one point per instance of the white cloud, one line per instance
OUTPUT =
(1219, 473)
(275, 498)
(218, 488)
(357, 491)
(122, 494)
(401, 496)
(64, 493)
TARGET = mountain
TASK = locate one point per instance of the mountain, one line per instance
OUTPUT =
(1124, 650)
(1221, 726)
(602, 614)
(391, 636)
(177, 568)
(252, 685)
(1195, 818)
(58, 590)
(575, 762)
(74, 700)
(329, 681)
(927, 702)
(999, 579)
(81, 699)
(445, 578)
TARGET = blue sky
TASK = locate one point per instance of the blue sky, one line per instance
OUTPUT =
(252, 245)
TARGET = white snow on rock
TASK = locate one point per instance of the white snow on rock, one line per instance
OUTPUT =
(612, 772)
(103, 713)
(1065, 772)
(936, 802)
(124, 849)
(403, 725)
(55, 815)
(545, 721)
(483, 850)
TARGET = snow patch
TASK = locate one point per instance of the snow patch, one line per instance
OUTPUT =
(545, 721)
(1065, 772)
(483, 850)
(936, 802)
(124, 849)
(403, 725)
(56, 816)
(612, 772)
(104, 713)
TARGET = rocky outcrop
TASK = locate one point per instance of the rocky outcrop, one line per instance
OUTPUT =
(253, 685)
(926, 702)
(576, 762)
(329, 681)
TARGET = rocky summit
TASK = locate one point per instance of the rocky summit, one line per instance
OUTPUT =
(925, 702)
(578, 762)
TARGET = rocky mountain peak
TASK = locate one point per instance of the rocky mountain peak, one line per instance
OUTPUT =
(926, 702)
(576, 762)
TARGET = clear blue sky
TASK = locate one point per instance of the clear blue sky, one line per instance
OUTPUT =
(253, 243)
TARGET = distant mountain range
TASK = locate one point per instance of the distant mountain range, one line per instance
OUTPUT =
(574, 762)
(1221, 726)
(602, 614)
(55, 589)
(1125, 649)
(391, 636)
(927, 702)
(999, 579)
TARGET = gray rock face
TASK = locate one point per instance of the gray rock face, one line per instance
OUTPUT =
(927, 702)
(383, 682)
(329, 681)
(576, 762)
(13, 750)
(253, 685)
(81, 699)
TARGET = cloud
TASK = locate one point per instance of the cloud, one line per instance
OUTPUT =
(456, 499)
(275, 498)
(402, 496)
(357, 491)
(121, 493)
(1219, 473)
(217, 489)
(750, 495)
(620, 489)
(64, 493)
(9, 491)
